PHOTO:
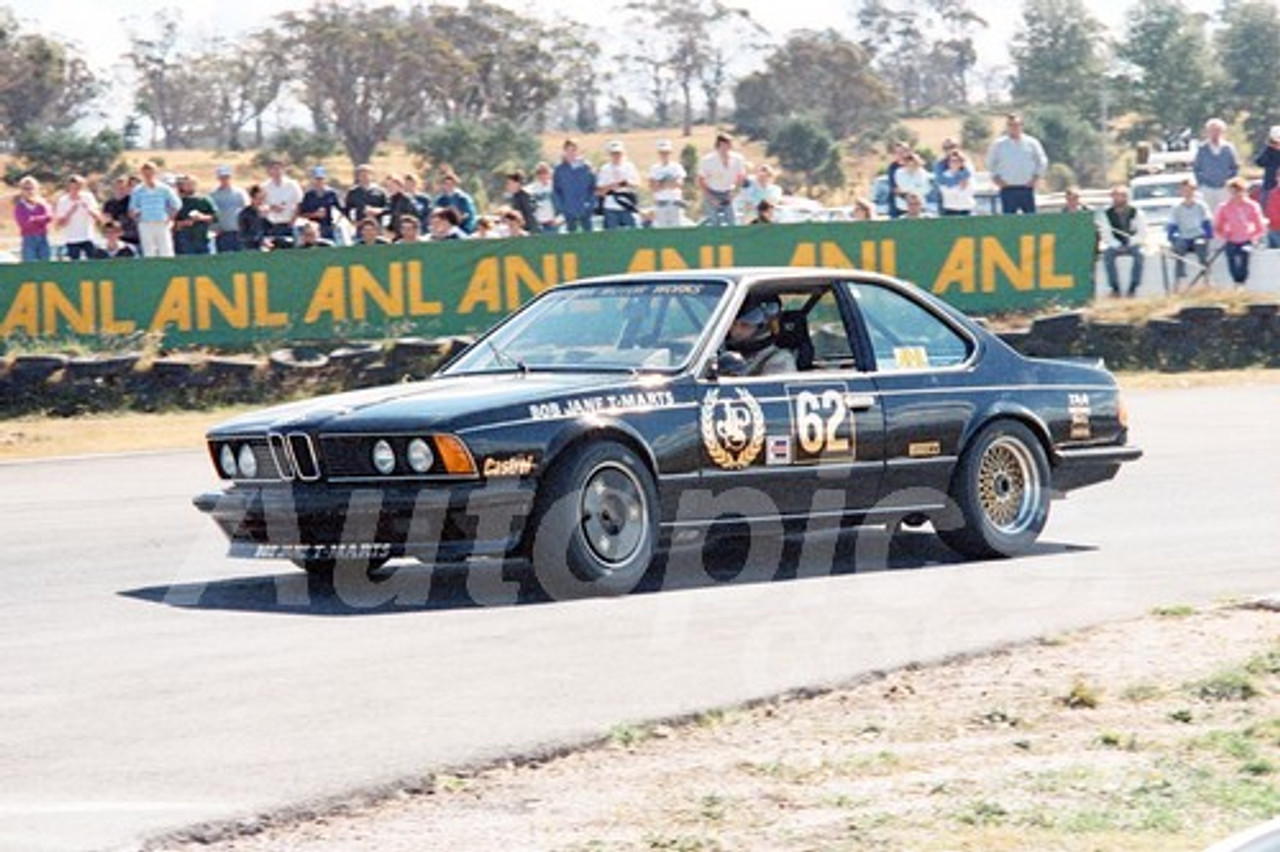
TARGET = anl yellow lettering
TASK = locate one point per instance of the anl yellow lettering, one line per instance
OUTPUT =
(108, 324)
(57, 306)
(24, 311)
(1021, 274)
(175, 306)
(234, 311)
(960, 268)
(263, 316)
(329, 298)
(419, 306)
(1050, 278)
(363, 285)
(518, 271)
(483, 288)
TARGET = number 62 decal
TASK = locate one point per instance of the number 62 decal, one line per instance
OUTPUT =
(824, 423)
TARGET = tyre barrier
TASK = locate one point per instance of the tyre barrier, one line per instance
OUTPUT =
(62, 385)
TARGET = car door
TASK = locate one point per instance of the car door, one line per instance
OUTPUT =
(922, 372)
(807, 443)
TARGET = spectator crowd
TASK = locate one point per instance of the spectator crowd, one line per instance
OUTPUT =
(147, 216)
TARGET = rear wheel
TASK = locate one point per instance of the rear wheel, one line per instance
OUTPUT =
(595, 530)
(1001, 494)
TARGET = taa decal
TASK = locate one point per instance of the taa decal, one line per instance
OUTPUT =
(1081, 414)
(732, 429)
(824, 424)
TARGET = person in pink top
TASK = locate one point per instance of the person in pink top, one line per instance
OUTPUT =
(1239, 223)
(33, 216)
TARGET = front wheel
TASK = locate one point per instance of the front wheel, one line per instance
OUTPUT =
(595, 530)
(1001, 494)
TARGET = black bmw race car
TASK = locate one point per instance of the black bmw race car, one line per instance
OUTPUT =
(610, 418)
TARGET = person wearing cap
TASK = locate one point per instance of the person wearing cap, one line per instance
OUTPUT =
(228, 200)
(1269, 160)
(153, 204)
(195, 215)
(573, 189)
(76, 213)
(616, 184)
(666, 179)
(284, 194)
(721, 174)
(366, 199)
(320, 204)
(1215, 163)
(452, 195)
(753, 335)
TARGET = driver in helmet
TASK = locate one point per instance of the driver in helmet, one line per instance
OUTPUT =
(753, 336)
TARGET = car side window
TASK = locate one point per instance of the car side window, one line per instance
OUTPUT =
(831, 349)
(904, 334)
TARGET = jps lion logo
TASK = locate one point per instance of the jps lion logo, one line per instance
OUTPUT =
(732, 429)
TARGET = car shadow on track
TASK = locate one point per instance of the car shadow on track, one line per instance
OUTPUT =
(721, 561)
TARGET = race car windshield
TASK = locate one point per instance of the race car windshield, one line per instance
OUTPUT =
(625, 327)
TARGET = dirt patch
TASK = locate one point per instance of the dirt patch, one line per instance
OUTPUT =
(1156, 734)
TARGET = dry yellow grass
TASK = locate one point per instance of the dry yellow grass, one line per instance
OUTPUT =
(49, 437)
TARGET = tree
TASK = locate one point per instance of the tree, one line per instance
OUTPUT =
(1249, 47)
(171, 87)
(576, 58)
(1172, 83)
(369, 71)
(924, 50)
(45, 84)
(820, 74)
(1056, 55)
(52, 155)
(508, 63)
(975, 132)
(296, 146)
(1068, 139)
(802, 145)
(482, 152)
(683, 50)
(245, 79)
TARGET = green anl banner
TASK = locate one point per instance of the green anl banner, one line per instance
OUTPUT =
(980, 264)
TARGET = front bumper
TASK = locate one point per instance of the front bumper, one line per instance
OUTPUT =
(1077, 468)
(308, 521)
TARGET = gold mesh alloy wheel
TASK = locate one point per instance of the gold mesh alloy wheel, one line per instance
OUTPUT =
(1008, 485)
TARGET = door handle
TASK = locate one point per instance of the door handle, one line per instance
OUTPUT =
(859, 401)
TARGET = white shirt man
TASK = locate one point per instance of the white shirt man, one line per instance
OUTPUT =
(720, 175)
(666, 179)
(76, 213)
(284, 194)
(616, 183)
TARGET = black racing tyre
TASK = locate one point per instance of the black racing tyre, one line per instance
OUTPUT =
(1001, 493)
(329, 568)
(595, 528)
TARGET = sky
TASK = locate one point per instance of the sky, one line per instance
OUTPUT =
(102, 29)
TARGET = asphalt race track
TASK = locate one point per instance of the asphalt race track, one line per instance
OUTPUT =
(149, 683)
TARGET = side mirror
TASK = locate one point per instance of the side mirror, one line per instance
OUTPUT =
(729, 364)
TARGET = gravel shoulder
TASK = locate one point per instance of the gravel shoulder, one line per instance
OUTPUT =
(1161, 733)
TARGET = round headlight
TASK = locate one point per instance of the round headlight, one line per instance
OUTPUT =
(227, 461)
(420, 456)
(248, 462)
(384, 458)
